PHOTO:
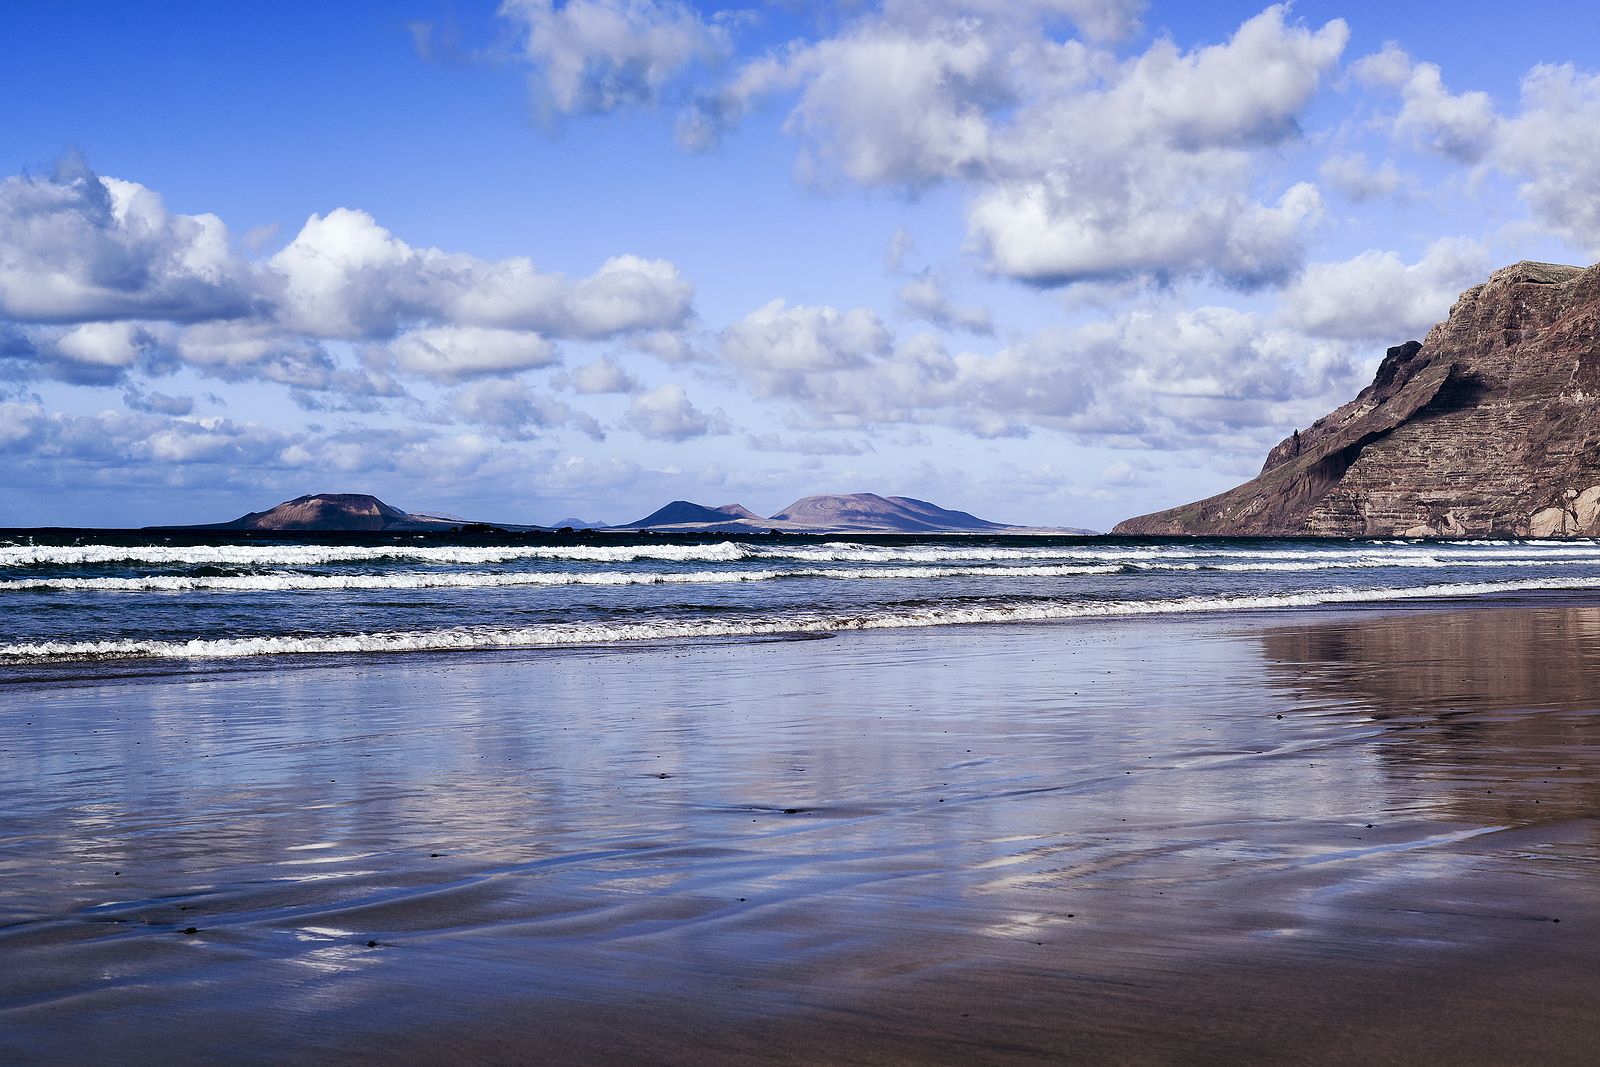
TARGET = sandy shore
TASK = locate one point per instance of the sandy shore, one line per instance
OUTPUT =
(1328, 836)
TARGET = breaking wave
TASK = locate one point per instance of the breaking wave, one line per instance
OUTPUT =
(469, 580)
(563, 634)
(1192, 556)
(286, 581)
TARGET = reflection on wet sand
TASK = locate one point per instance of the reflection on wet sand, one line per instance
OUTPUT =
(1494, 712)
(1159, 840)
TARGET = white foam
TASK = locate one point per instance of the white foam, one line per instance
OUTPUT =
(1237, 555)
(284, 581)
(560, 634)
(317, 555)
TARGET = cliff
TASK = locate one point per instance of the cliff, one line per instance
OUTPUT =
(1487, 427)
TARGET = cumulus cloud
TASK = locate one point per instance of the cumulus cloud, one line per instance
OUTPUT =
(60, 441)
(1211, 375)
(1461, 126)
(1125, 473)
(112, 451)
(604, 375)
(1357, 178)
(76, 247)
(665, 413)
(453, 353)
(600, 55)
(1553, 146)
(513, 410)
(92, 353)
(1377, 297)
(780, 348)
(926, 297)
(1550, 143)
(808, 445)
(1031, 232)
(1084, 165)
(79, 248)
(1146, 169)
(345, 276)
(156, 403)
(901, 245)
(101, 284)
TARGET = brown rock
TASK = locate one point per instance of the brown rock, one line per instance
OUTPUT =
(1486, 428)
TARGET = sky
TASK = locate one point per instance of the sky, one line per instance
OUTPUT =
(1054, 262)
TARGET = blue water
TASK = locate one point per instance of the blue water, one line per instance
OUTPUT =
(120, 597)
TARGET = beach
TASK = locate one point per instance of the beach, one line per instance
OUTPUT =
(1329, 834)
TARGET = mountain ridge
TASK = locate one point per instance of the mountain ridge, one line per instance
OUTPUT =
(1485, 428)
(864, 513)
(335, 512)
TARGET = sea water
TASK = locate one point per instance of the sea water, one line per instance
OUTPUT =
(120, 597)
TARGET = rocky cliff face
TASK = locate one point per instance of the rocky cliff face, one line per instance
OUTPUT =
(1489, 426)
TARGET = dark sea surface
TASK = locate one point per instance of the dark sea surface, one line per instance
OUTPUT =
(115, 596)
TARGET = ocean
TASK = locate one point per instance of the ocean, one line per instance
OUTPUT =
(117, 597)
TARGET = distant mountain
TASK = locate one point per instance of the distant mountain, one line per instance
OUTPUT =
(684, 514)
(850, 513)
(871, 513)
(335, 512)
(836, 513)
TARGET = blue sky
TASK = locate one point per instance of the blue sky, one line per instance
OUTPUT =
(1050, 261)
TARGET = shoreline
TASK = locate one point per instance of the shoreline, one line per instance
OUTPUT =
(65, 669)
(1327, 833)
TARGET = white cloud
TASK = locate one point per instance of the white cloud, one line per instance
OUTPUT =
(1461, 126)
(778, 346)
(1553, 145)
(156, 403)
(665, 413)
(345, 276)
(927, 298)
(1098, 19)
(1147, 167)
(1388, 68)
(81, 248)
(1124, 473)
(512, 409)
(1377, 297)
(1212, 375)
(238, 350)
(885, 106)
(600, 55)
(453, 353)
(809, 445)
(100, 282)
(76, 247)
(57, 443)
(1032, 232)
(1084, 166)
(1550, 144)
(901, 245)
(604, 375)
(1354, 176)
(103, 344)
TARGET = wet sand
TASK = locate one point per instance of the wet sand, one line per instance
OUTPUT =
(1326, 836)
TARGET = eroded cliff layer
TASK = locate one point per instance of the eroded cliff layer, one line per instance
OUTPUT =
(1488, 427)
